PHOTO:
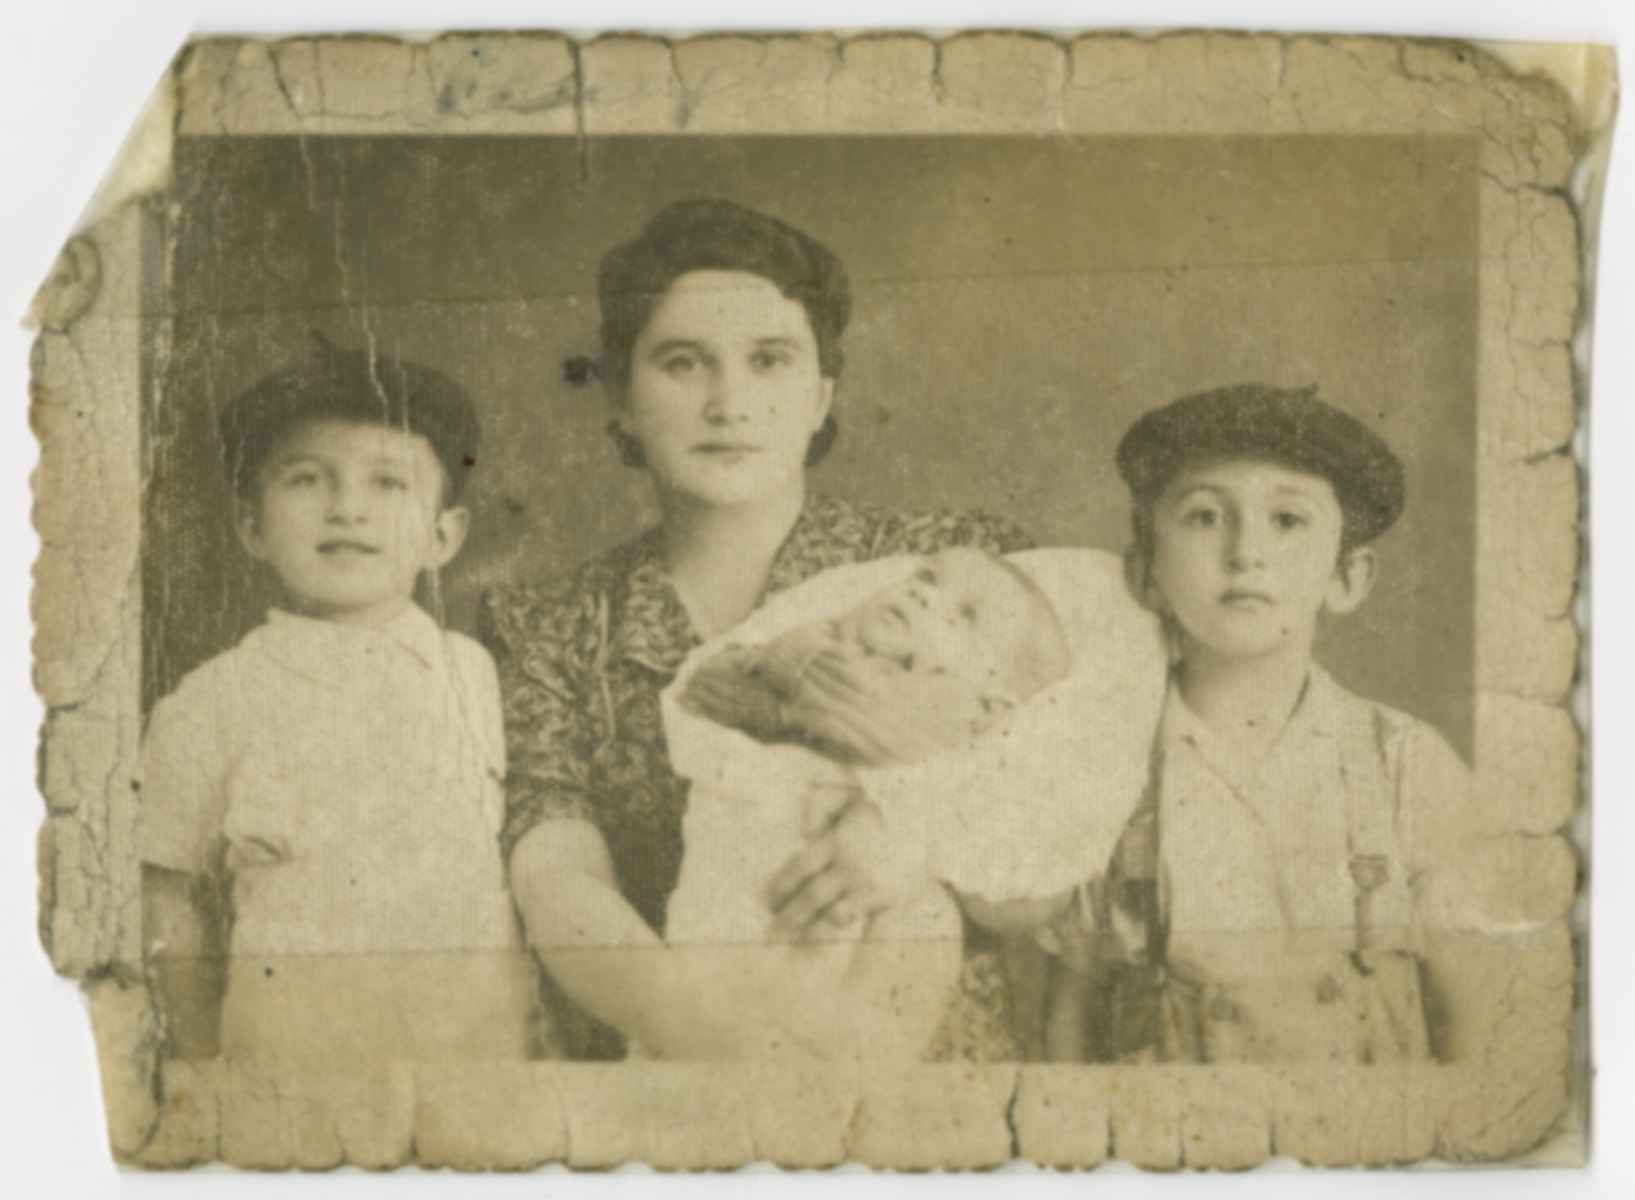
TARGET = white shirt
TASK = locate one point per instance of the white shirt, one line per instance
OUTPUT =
(1274, 853)
(351, 779)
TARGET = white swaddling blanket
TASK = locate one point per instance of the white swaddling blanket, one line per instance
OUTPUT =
(1032, 808)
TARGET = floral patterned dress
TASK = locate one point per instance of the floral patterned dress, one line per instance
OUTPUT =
(582, 662)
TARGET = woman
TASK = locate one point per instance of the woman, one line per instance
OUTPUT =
(721, 354)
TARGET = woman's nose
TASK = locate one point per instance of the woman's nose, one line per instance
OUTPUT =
(724, 401)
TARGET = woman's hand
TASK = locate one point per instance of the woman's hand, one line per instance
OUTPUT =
(879, 713)
(600, 951)
(848, 870)
(726, 690)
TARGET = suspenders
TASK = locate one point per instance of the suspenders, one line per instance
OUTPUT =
(1370, 823)
(1172, 1018)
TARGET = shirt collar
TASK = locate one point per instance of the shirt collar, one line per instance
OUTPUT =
(326, 652)
(653, 627)
(1315, 715)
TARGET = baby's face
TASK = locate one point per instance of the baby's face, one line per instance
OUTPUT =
(959, 614)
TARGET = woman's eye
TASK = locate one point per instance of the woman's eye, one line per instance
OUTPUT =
(767, 360)
(679, 364)
(1201, 518)
(297, 479)
(392, 483)
(1289, 520)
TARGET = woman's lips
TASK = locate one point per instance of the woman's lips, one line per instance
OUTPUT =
(1245, 599)
(345, 547)
(733, 448)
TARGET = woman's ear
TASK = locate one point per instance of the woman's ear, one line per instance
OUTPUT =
(448, 535)
(1138, 578)
(1354, 577)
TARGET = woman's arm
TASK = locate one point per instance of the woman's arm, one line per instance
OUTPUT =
(849, 868)
(594, 943)
(601, 952)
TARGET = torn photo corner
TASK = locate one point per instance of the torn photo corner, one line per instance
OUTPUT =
(918, 602)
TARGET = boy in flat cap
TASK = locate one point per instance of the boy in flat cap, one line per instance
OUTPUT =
(339, 769)
(1266, 899)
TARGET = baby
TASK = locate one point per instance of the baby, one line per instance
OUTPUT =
(925, 664)
(953, 691)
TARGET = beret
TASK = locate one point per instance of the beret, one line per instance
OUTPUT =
(1283, 425)
(354, 386)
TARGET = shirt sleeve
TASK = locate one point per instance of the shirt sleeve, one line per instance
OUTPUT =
(536, 642)
(182, 778)
(478, 691)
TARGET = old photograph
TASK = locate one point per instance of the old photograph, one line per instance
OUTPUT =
(914, 602)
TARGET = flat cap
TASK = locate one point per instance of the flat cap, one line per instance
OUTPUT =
(353, 386)
(1283, 425)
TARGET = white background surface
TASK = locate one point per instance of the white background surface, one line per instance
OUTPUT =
(74, 73)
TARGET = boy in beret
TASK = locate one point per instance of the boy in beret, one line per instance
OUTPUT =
(337, 773)
(1266, 900)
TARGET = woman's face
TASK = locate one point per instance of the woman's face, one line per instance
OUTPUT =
(725, 391)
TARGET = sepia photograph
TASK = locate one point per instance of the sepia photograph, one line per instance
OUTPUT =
(641, 387)
(927, 603)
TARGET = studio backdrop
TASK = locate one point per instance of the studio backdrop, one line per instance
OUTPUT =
(1017, 303)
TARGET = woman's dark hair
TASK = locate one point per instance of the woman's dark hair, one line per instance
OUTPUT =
(713, 235)
(717, 235)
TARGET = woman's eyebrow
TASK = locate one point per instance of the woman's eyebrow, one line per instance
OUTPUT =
(670, 345)
(779, 340)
